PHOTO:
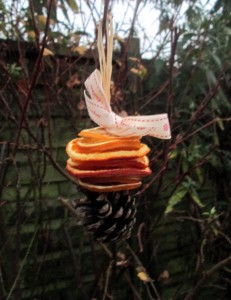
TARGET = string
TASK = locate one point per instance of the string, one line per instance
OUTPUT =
(105, 61)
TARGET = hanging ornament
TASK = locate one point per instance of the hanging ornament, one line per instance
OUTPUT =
(109, 160)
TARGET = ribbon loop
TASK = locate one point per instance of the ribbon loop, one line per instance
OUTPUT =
(100, 112)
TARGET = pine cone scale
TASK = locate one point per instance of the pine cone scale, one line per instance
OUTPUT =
(108, 217)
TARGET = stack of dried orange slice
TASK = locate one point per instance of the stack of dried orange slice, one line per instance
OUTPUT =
(105, 163)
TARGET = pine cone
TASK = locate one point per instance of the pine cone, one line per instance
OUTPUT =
(108, 217)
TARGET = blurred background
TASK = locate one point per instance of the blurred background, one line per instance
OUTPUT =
(169, 56)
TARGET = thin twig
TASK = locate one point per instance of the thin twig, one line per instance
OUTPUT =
(132, 286)
(108, 273)
(66, 203)
(35, 75)
(141, 265)
(139, 236)
(206, 276)
(22, 265)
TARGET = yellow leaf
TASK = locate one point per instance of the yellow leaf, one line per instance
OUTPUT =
(135, 71)
(164, 276)
(143, 276)
(133, 58)
(52, 21)
(42, 19)
(141, 71)
(118, 38)
(80, 49)
(73, 81)
(47, 52)
(31, 34)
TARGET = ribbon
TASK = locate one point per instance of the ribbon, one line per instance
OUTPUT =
(100, 112)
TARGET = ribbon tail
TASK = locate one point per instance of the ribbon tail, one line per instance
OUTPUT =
(154, 125)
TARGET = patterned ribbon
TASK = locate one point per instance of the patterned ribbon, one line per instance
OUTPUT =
(100, 112)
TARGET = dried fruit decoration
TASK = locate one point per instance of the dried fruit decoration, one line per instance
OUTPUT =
(109, 160)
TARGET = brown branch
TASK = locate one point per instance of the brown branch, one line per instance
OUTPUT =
(175, 34)
(122, 75)
(139, 236)
(160, 90)
(132, 286)
(46, 152)
(66, 203)
(174, 39)
(206, 276)
(154, 178)
(180, 140)
(35, 27)
(143, 268)
(105, 13)
(134, 18)
(35, 75)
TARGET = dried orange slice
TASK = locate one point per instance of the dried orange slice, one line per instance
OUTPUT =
(136, 162)
(88, 145)
(102, 162)
(112, 179)
(72, 150)
(108, 172)
(109, 188)
(101, 133)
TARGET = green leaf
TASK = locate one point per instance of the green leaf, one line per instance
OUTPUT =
(211, 77)
(195, 197)
(200, 174)
(176, 198)
(73, 6)
(227, 30)
(173, 154)
(213, 211)
(220, 124)
(216, 59)
(2, 8)
(185, 165)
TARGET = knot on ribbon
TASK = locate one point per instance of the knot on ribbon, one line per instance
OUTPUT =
(100, 112)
